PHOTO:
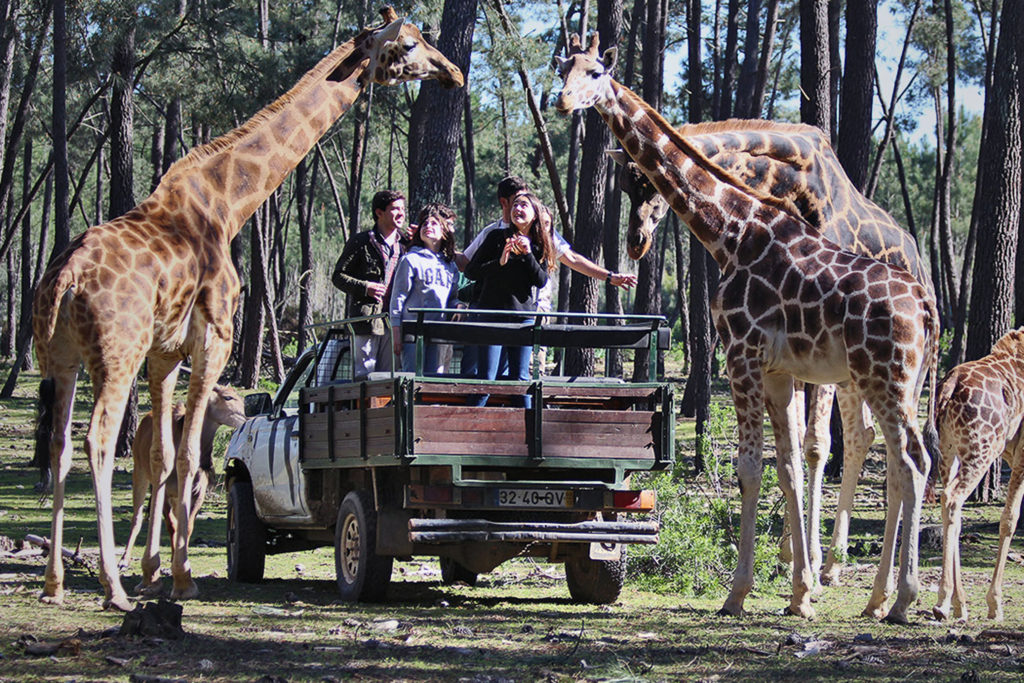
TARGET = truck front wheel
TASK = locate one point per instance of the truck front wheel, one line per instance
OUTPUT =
(247, 537)
(596, 582)
(362, 574)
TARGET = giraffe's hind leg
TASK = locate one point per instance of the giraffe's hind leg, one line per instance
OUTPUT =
(112, 393)
(858, 435)
(954, 493)
(817, 442)
(1007, 525)
(58, 392)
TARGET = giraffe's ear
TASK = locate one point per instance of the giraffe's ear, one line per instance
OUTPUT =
(388, 14)
(390, 32)
(560, 63)
(618, 156)
(609, 57)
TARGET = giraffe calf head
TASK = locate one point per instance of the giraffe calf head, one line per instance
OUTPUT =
(586, 78)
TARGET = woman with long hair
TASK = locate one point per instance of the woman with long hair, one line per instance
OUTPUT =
(511, 265)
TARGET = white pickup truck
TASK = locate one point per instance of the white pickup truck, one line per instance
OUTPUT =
(398, 465)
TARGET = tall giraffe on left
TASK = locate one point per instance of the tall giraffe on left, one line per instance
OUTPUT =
(158, 283)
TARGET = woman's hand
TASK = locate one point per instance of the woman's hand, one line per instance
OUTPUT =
(510, 248)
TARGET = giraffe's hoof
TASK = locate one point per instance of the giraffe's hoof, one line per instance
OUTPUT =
(121, 603)
(153, 589)
(830, 578)
(55, 599)
(731, 611)
(874, 612)
(188, 592)
(803, 611)
(896, 617)
(940, 613)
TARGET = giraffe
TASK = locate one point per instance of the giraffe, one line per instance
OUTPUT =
(796, 163)
(979, 412)
(791, 305)
(158, 283)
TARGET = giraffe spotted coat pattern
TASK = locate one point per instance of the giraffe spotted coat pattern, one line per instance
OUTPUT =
(158, 283)
(796, 164)
(792, 305)
(979, 411)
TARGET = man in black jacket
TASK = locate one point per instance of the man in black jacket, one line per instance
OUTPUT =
(364, 272)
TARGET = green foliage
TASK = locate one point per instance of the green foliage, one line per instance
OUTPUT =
(699, 517)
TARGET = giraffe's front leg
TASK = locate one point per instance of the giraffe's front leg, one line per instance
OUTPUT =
(748, 397)
(206, 368)
(1007, 525)
(782, 410)
(163, 375)
(913, 474)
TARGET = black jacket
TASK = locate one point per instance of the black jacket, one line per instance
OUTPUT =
(360, 264)
(509, 287)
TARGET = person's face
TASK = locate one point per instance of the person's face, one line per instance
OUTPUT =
(523, 214)
(432, 231)
(391, 217)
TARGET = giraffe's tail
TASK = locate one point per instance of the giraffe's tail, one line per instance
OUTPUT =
(49, 298)
(931, 433)
(44, 434)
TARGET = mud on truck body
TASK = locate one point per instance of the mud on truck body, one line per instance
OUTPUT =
(398, 465)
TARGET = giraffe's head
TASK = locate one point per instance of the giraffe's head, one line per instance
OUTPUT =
(398, 52)
(586, 77)
(647, 206)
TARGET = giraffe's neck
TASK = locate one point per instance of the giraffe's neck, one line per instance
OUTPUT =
(228, 178)
(715, 206)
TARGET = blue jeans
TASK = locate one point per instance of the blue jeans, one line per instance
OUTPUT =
(430, 358)
(490, 361)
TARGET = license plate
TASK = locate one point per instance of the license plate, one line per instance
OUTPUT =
(534, 498)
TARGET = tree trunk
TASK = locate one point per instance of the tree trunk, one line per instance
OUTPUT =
(61, 224)
(360, 134)
(8, 39)
(732, 28)
(991, 308)
(304, 202)
(814, 64)
(252, 341)
(748, 70)
(467, 148)
(442, 112)
(992, 297)
(854, 146)
(590, 214)
(28, 285)
(835, 67)
(122, 181)
(767, 45)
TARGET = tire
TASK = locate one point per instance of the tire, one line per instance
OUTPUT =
(595, 582)
(363, 575)
(452, 572)
(247, 537)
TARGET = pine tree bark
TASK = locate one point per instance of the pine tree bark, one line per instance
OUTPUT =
(442, 112)
(854, 145)
(814, 64)
(748, 69)
(590, 213)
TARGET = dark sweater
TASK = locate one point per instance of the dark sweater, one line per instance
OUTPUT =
(509, 287)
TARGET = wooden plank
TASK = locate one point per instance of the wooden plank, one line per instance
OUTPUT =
(550, 389)
(348, 391)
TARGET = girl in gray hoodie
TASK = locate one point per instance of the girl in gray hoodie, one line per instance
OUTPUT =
(426, 277)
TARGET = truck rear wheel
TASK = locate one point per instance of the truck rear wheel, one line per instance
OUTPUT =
(452, 572)
(247, 537)
(596, 582)
(363, 575)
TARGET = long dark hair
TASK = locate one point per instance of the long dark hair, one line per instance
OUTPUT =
(540, 233)
(445, 216)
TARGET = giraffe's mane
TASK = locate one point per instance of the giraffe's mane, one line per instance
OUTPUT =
(1010, 344)
(704, 162)
(315, 75)
(743, 125)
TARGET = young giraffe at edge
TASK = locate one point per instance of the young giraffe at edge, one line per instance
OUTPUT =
(791, 306)
(796, 163)
(158, 282)
(979, 412)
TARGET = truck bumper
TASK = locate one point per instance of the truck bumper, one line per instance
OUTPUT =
(462, 530)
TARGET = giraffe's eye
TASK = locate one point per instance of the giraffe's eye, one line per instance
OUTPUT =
(595, 74)
(409, 45)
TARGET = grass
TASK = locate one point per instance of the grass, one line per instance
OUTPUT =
(518, 624)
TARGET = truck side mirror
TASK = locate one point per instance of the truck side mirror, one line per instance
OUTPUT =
(258, 404)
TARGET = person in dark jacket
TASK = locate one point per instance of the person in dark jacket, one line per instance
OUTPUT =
(364, 272)
(511, 264)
